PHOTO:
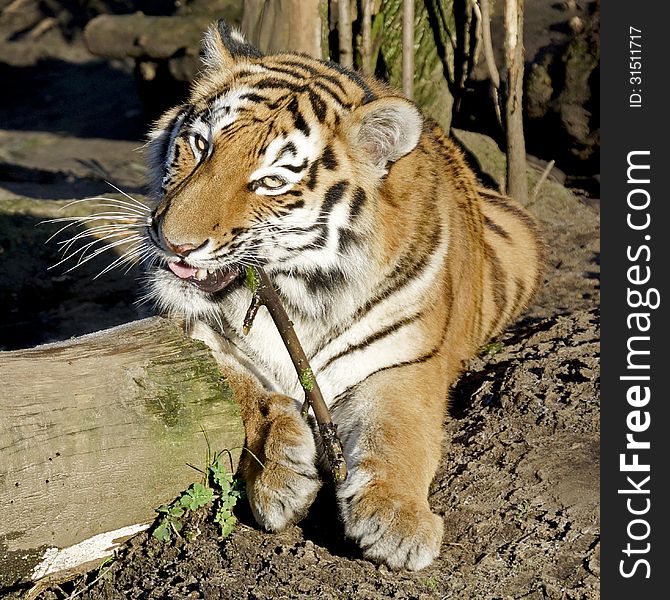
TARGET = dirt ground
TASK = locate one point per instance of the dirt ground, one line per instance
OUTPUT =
(518, 485)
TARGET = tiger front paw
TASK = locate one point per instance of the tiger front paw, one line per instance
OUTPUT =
(283, 487)
(396, 530)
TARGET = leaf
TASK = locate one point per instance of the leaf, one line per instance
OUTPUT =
(227, 526)
(162, 532)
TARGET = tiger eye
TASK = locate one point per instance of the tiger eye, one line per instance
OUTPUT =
(200, 143)
(272, 182)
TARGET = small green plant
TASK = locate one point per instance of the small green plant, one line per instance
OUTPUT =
(492, 349)
(219, 487)
(432, 583)
(230, 490)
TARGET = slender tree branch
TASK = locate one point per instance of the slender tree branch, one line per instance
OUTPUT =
(484, 14)
(408, 48)
(540, 181)
(344, 33)
(366, 41)
(265, 295)
(516, 181)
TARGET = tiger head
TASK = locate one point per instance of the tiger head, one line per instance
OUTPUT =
(276, 161)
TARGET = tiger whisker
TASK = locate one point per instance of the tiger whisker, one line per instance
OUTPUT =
(66, 248)
(95, 231)
(128, 256)
(97, 252)
(127, 195)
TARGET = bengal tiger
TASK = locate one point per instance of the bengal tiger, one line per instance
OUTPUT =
(393, 266)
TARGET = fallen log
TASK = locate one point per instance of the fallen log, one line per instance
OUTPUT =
(141, 36)
(98, 431)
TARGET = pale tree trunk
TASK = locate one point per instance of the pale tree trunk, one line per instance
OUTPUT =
(366, 38)
(346, 58)
(516, 182)
(408, 48)
(280, 25)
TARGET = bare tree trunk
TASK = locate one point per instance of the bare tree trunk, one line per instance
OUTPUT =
(278, 25)
(346, 58)
(366, 41)
(408, 48)
(516, 182)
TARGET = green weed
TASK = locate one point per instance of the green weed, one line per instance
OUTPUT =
(219, 487)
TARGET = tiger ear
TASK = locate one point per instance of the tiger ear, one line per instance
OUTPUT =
(386, 129)
(223, 46)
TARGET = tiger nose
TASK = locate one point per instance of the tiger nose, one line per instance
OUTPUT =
(182, 249)
(178, 249)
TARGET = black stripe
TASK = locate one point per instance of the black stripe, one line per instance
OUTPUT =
(333, 196)
(416, 361)
(346, 239)
(295, 168)
(499, 289)
(314, 81)
(313, 71)
(407, 269)
(518, 294)
(166, 136)
(288, 148)
(328, 158)
(373, 338)
(357, 203)
(510, 208)
(318, 106)
(298, 120)
(369, 95)
(321, 281)
(496, 228)
(253, 98)
(276, 83)
(295, 205)
(311, 175)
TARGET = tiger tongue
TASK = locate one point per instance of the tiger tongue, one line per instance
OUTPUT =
(181, 269)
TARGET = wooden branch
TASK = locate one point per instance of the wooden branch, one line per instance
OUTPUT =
(408, 48)
(485, 18)
(98, 431)
(540, 181)
(346, 58)
(265, 295)
(516, 181)
(366, 38)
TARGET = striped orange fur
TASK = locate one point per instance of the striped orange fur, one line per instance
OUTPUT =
(393, 264)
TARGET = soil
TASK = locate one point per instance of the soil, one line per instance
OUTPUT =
(518, 485)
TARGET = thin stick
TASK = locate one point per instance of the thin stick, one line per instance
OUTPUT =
(408, 48)
(344, 33)
(541, 180)
(494, 76)
(516, 183)
(366, 42)
(265, 295)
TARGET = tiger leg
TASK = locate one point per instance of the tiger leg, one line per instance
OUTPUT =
(393, 447)
(278, 464)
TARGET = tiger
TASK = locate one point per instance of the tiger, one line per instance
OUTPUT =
(393, 264)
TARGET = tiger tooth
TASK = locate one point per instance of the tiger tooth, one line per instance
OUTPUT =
(201, 274)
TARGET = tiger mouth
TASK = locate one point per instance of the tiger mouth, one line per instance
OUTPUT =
(207, 280)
